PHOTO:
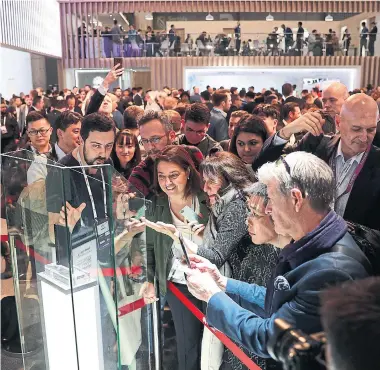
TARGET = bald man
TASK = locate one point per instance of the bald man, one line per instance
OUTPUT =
(334, 97)
(353, 158)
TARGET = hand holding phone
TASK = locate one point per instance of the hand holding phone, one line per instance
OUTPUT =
(117, 61)
(189, 214)
(113, 74)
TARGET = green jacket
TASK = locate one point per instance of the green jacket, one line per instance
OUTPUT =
(158, 244)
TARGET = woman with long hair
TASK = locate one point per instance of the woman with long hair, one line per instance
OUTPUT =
(178, 188)
(126, 152)
(248, 138)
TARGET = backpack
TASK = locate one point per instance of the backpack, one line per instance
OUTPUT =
(368, 240)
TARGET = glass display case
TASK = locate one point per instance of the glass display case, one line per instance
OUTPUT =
(79, 262)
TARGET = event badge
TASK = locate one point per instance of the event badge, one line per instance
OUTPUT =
(103, 237)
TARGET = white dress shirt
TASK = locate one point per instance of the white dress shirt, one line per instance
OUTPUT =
(59, 151)
(344, 170)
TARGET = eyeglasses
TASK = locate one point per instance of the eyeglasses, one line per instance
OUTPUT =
(153, 140)
(42, 131)
(287, 168)
(171, 177)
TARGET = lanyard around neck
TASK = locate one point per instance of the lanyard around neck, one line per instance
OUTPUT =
(90, 191)
(354, 175)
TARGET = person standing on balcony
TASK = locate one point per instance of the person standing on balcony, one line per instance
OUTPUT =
(300, 35)
(107, 41)
(238, 37)
(116, 39)
(288, 37)
(372, 39)
(132, 33)
(80, 40)
(171, 35)
(346, 41)
(363, 38)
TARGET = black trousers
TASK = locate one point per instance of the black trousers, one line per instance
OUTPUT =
(188, 330)
(371, 48)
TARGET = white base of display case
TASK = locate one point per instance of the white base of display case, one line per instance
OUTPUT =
(69, 343)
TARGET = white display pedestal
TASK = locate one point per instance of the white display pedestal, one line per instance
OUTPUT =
(65, 343)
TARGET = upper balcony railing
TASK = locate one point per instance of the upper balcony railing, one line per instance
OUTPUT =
(129, 45)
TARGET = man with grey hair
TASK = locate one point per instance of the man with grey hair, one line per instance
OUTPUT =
(350, 154)
(322, 253)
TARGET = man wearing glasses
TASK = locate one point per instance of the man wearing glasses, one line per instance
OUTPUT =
(197, 122)
(156, 132)
(39, 131)
(321, 254)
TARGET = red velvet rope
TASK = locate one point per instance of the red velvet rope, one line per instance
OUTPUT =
(222, 337)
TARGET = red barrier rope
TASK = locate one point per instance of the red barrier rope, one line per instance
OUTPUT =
(222, 337)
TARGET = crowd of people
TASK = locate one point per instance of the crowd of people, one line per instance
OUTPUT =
(274, 194)
(283, 40)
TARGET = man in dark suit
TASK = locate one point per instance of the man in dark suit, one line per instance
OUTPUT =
(351, 155)
(206, 99)
(137, 98)
(71, 104)
(300, 37)
(250, 99)
(314, 93)
(287, 92)
(9, 129)
(58, 106)
(372, 39)
(38, 105)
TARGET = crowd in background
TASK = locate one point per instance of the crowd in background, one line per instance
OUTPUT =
(283, 40)
(260, 249)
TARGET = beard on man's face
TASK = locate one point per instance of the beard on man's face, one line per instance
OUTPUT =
(91, 161)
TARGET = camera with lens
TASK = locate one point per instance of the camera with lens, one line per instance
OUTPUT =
(295, 349)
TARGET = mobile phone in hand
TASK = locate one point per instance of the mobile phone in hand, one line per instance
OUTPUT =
(189, 214)
(118, 61)
(184, 251)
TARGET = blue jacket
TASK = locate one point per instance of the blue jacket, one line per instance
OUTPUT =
(247, 316)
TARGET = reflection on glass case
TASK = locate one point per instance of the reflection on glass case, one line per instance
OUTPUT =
(77, 269)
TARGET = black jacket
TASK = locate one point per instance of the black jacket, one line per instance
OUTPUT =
(364, 201)
(249, 107)
(95, 102)
(13, 132)
(137, 100)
